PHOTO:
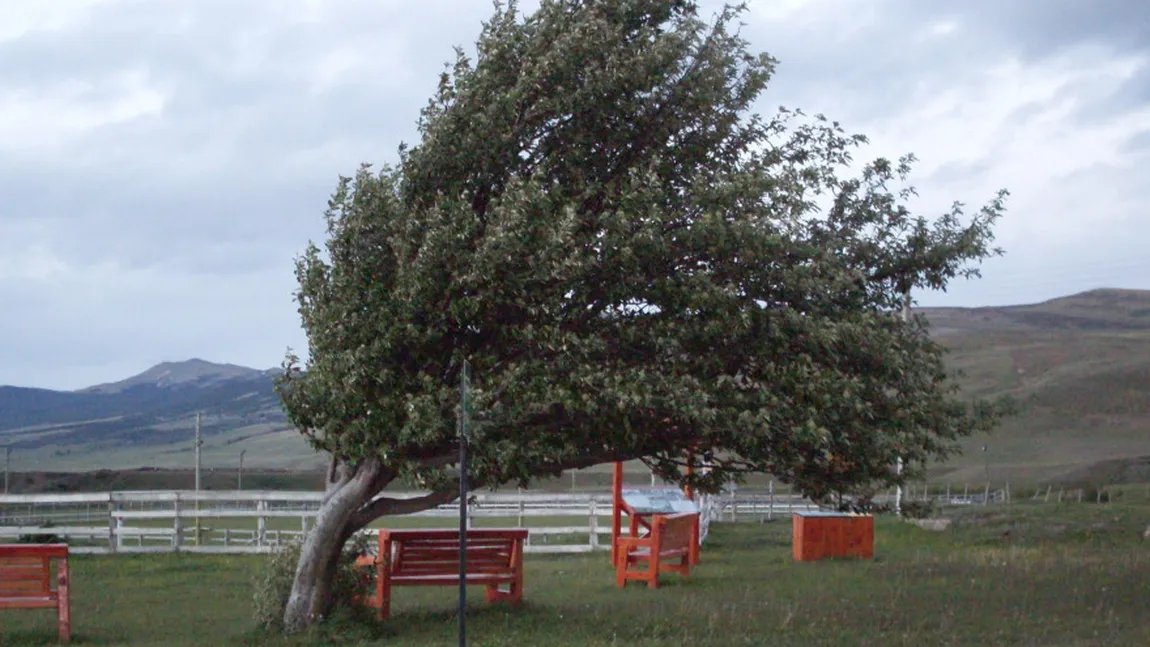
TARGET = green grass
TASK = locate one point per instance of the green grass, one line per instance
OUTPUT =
(1067, 575)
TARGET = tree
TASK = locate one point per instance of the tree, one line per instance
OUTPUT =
(635, 265)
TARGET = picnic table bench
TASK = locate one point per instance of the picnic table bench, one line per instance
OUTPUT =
(671, 538)
(26, 581)
(431, 558)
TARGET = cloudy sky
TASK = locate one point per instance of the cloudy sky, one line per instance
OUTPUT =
(163, 161)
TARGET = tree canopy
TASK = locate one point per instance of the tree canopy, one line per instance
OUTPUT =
(636, 265)
(633, 265)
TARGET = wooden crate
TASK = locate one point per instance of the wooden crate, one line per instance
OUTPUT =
(818, 535)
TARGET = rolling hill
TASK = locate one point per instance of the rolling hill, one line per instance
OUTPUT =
(1079, 366)
(148, 420)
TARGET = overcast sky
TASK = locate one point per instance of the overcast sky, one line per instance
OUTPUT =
(163, 161)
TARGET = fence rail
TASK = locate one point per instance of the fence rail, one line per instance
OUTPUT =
(241, 521)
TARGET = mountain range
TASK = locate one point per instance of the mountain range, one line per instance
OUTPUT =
(1079, 366)
(149, 420)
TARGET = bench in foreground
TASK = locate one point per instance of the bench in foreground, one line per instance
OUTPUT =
(26, 581)
(431, 558)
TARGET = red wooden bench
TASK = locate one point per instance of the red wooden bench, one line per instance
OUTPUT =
(671, 538)
(431, 558)
(26, 581)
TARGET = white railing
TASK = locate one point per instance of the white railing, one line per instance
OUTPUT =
(258, 521)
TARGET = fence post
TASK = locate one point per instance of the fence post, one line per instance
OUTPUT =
(771, 500)
(519, 518)
(111, 525)
(1047, 498)
(177, 526)
(261, 523)
(986, 495)
(594, 525)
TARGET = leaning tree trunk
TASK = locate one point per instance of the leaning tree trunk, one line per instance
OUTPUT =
(311, 592)
(350, 505)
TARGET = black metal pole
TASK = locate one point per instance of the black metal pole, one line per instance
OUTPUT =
(463, 508)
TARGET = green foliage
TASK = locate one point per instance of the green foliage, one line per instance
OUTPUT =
(918, 509)
(636, 266)
(41, 538)
(273, 583)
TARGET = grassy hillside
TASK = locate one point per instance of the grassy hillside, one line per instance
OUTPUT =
(1080, 369)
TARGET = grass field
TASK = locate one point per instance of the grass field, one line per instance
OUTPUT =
(1042, 574)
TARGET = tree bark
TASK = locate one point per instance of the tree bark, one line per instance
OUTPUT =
(349, 489)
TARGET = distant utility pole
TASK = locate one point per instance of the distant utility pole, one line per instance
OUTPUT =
(240, 474)
(199, 444)
(898, 461)
(7, 460)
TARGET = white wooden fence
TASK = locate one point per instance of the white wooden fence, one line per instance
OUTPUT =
(262, 521)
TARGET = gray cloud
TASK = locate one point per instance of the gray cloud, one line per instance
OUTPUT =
(162, 162)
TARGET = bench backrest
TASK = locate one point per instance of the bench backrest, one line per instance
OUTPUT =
(675, 531)
(26, 569)
(431, 552)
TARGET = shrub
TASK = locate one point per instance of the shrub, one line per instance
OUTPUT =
(917, 509)
(273, 585)
(41, 538)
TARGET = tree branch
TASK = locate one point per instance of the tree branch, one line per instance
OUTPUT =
(384, 506)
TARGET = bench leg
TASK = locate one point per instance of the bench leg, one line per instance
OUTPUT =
(384, 595)
(514, 593)
(492, 594)
(653, 570)
(63, 603)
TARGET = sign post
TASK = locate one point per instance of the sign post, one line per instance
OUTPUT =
(463, 507)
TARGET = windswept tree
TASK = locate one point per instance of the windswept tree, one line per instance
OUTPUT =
(635, 265)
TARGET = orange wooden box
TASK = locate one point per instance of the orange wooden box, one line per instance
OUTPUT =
(818, 535)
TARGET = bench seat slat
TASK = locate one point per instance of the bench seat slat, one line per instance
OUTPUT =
(20, 575)
(38, 602)
(454, 559)
(447, 572)
(33, 551)
(432, 579)
(16, 562)
(421, 549)
(671, 552)
(20, 588)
